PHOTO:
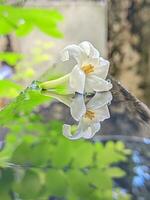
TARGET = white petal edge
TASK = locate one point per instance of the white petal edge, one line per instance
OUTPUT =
(102, 68)
(89, 49)
(101, 114)
(67, 133)
(100, 99)
(98, 84)
(73, 51)
(77, 107)
(92, 130)
(77, 80)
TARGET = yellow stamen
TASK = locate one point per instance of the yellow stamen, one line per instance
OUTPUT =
(88, 68)
(89, 114)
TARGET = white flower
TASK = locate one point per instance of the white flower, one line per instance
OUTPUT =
(88, 114)
(91, 70)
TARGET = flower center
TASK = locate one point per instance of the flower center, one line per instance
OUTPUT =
(88, 68)
(89, 114)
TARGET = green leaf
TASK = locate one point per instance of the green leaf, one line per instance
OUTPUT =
(23, 104)
(3, 161)
(11, 143)
(56, 183)
(119, 146)
(86, 159)
(100, 179)
(71, 154)
(10, 57)
(101, 182)
(24, 29)
(79, 184)
(29, 186)
(6, 28)
(9, 89)
(40, 153)
(61, 158)
(5, 195)
(22, 20)
(108, 155)
(6, 180)
(115, 172)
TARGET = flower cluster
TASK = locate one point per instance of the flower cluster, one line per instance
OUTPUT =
(90, 72)
(88, 76)
(89, 114)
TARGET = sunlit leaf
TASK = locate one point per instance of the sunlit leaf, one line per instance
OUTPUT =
(61, 158)
(10, 57)
(109, 155)
(115, 172)
(83, 154)
(56, 183)
(22, 20)
(23, 104)
(29, 186)
(39, 157)
(9, 89)
(99, 179)
(79, 184)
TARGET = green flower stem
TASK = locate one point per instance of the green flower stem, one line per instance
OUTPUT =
(66, 99)
(54, 83)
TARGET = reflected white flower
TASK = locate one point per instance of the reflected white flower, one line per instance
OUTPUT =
(88, 114)
(91, 70)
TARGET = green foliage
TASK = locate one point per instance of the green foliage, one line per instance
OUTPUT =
(44, 163)
(36, 161)
(9, 89)
(24, 69)
(10, 57)
(23, 20)
(30, 182)
(23, 104)
(6, 181)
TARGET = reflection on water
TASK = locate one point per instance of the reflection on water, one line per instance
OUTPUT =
(39, 163)
(136, 182)
(128, 116)
(90, 112)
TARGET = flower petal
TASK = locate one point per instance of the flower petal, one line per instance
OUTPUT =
(100, 99)
(77, 80)
(102, 68)
(89, 49)
(86, 130)
(77, 107)
(88, 133)
(101, 114)
(67, 133)
(98, 84)
(65, 99)
(84, 124)
(94, 128)
(73, 51)
(82, 128)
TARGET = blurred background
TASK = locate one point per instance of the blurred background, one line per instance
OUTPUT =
(36, 161)
(119, 29)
